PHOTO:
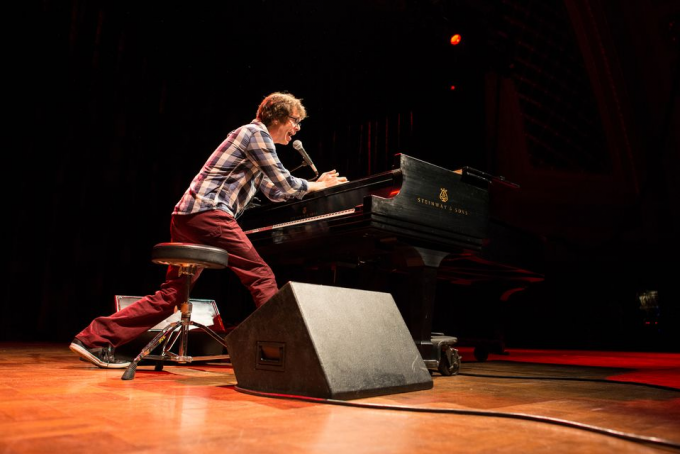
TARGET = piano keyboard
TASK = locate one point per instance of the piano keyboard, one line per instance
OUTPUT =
(303, 221)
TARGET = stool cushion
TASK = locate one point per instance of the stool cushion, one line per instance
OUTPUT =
(184, 254)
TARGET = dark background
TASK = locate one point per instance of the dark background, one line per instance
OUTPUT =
(116, 105)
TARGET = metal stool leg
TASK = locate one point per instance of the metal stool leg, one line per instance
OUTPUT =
(129, 373)
(186, 309)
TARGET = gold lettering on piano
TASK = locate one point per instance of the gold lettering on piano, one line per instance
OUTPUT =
(443, 195)
(443, 206)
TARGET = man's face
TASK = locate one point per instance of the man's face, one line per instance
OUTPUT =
(283, 132)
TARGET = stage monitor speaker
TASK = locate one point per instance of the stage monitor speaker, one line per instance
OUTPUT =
(327, 342)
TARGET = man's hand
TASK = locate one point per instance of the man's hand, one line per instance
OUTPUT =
(327, 180)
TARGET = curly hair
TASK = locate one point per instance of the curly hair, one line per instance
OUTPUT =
(278, 106)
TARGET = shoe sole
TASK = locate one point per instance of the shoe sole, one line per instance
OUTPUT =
(89, 357)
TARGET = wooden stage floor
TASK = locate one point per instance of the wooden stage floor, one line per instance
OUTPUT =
(51, 402)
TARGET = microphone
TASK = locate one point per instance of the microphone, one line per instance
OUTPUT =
(308, 161)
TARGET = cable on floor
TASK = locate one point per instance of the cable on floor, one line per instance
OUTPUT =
(494, 414)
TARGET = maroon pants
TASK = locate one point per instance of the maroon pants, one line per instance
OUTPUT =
(213, 228)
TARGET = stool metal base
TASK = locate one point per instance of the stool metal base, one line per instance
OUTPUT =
(168, 337)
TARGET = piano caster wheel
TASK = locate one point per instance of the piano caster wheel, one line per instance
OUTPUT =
(449, 364)
(481, 354)
(159, 366)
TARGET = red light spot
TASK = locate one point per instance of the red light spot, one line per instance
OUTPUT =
(453, 87)
(393, 193)
(455, 39)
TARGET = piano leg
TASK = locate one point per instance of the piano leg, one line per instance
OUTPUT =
(417, 300)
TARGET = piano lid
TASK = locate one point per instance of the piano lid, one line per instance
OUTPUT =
(435, 200)
(416, 200)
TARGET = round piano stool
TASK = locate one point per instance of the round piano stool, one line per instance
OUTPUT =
(189, 258)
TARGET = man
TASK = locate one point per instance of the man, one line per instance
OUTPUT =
(206, 214)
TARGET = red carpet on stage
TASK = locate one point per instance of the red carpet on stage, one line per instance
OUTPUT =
(662, 369)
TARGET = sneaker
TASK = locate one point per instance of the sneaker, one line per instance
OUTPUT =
(99, 356)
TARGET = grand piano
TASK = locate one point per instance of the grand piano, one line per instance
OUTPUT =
(418, 222)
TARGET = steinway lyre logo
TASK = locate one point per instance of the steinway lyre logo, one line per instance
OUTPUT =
(442, 204)
(443, 195)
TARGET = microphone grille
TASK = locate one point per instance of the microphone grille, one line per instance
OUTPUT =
(297, 145)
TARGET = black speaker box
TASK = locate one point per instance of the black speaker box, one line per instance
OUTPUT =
(327, 342)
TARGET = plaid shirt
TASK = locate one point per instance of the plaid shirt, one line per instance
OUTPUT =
(244, 162)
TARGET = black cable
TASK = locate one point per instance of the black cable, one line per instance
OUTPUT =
(595, 380)
(522, 416)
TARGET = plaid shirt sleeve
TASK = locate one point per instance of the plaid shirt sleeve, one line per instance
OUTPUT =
(278, 184)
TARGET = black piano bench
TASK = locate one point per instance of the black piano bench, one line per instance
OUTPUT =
(189, 258)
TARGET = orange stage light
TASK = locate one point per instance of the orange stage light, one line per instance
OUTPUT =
(455, 39)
